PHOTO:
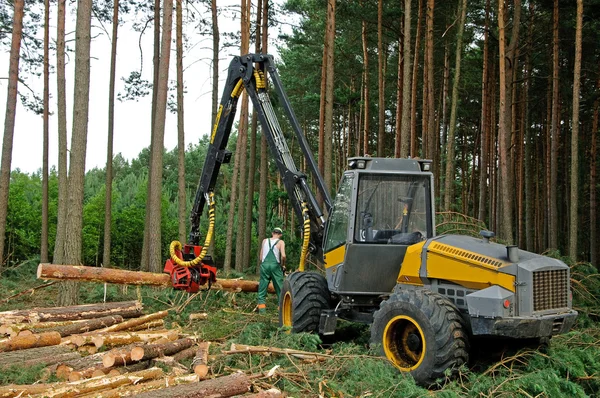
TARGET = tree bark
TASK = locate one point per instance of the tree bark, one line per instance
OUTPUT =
(431, 134)
(180, 124)
(485, 131)
(406, 89)
(9, 119)
(135, 322)
(83, 327)
(131, 390)
(59, 243)
(224, 386)
(200, 362)
(381, 82)
(530, 172)
(593, 182)
(44, 237)
(449, 189)
(554, 137)
(30, 341)
(366, 97)
(109, 147)
(574, 224)
(120, 338)
(262, 196)
(414, 151)
(47, 355)
(103, 275)
(157, 350)
(154, 234)
(327, 148)
(126, 309)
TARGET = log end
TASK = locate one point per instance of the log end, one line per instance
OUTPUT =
(63, 372)
(39, 270)
(137, 353)
(201, 370)
(108, 360)
(75, 376)
(98, 372)
(114, 372)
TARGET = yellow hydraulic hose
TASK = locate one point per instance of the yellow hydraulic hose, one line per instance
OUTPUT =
(176, 245)
(305, 236)
(260, 79)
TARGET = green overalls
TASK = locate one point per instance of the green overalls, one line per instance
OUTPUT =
(270, 269)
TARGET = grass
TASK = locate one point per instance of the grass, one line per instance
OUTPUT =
(570, 368)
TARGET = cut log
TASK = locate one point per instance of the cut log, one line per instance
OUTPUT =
(117, 357)
(88, 349)
(131, 390)
(152, 325)
(84, 326)
(157, 350)
(198, 316)
(242, 348)
(14, 329)
(185, 354)
(134, 322)
(127, 309)
(111, 275)
(71, 389)
(200, 362)
(100, 370)
(225, 386)
(102, 275)
(123, 338)
(13, 390)
(31, 341)
(35, 356)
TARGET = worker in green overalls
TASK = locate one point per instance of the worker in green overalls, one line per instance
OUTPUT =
(272, 266)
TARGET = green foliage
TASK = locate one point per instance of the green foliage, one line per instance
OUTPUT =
(20, 375)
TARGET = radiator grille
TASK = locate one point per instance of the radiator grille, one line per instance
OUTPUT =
(550, 290)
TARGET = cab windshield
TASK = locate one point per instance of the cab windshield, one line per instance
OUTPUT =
(393, 209)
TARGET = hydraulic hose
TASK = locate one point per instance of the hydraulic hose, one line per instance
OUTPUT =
(305, 237)
(176, 245)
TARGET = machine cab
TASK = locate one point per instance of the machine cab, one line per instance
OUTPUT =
(382, 207)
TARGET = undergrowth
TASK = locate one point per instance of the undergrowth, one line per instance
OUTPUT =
(348, 368)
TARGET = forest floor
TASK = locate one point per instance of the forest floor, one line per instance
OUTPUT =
(348, 368)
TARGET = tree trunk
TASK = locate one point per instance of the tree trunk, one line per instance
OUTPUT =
(449, 189)
(84, 327)
(574, 224)
(399, 98)
(126, 309)
(155, 258)
(431, 134)
(485, 129)
(135, 322)
(30, 341)
(44, 237)
(529, 166)
(215, 60)
(45, 356)
(109, 150)
(68, 292)
(262, 196)
(593, 182)
(414, 152)
(150, 351)
(406, 89)
(180, 123)
(9, 119)
(381, 82)
(101, 339)
(329, 93)
(59, 243)
(366, 99)
(554, 137)
(242, 148)
(224, 386)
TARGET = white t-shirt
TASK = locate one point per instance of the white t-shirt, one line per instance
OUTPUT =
(265, 249)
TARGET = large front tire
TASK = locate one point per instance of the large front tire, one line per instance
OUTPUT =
(303, 296)
(421, 333)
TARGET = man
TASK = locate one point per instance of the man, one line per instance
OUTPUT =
(272, 255)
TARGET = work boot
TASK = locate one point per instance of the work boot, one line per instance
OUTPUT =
(262, 308)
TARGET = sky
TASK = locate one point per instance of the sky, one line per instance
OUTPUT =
(132, 119)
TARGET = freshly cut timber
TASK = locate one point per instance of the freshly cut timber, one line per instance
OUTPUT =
(134, 322)
(225, 386)
(270, 393)
(156, 350)
(117, 357)
(126, 309)
(124, 277)
(31, 341)
(101, 274)
(48, 355)
(185, 354)
(132, 390)
(243, 348)
(200, 362)
(100, 370)
(13, 329)
(122, 338)
(86, 326)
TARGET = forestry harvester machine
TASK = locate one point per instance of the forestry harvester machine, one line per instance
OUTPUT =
(425, 296)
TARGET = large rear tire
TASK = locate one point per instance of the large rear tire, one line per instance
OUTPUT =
(303, 296)
(421, 333)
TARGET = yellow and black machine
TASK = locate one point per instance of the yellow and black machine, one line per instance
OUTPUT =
(425, 296)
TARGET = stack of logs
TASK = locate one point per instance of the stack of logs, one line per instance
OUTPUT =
(110, 350)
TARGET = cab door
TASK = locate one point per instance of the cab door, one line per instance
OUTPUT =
(337, 235)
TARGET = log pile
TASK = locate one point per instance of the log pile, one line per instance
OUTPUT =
(139, 356)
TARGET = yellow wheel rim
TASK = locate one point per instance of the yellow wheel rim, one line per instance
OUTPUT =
(404, 343)
(286, 310)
